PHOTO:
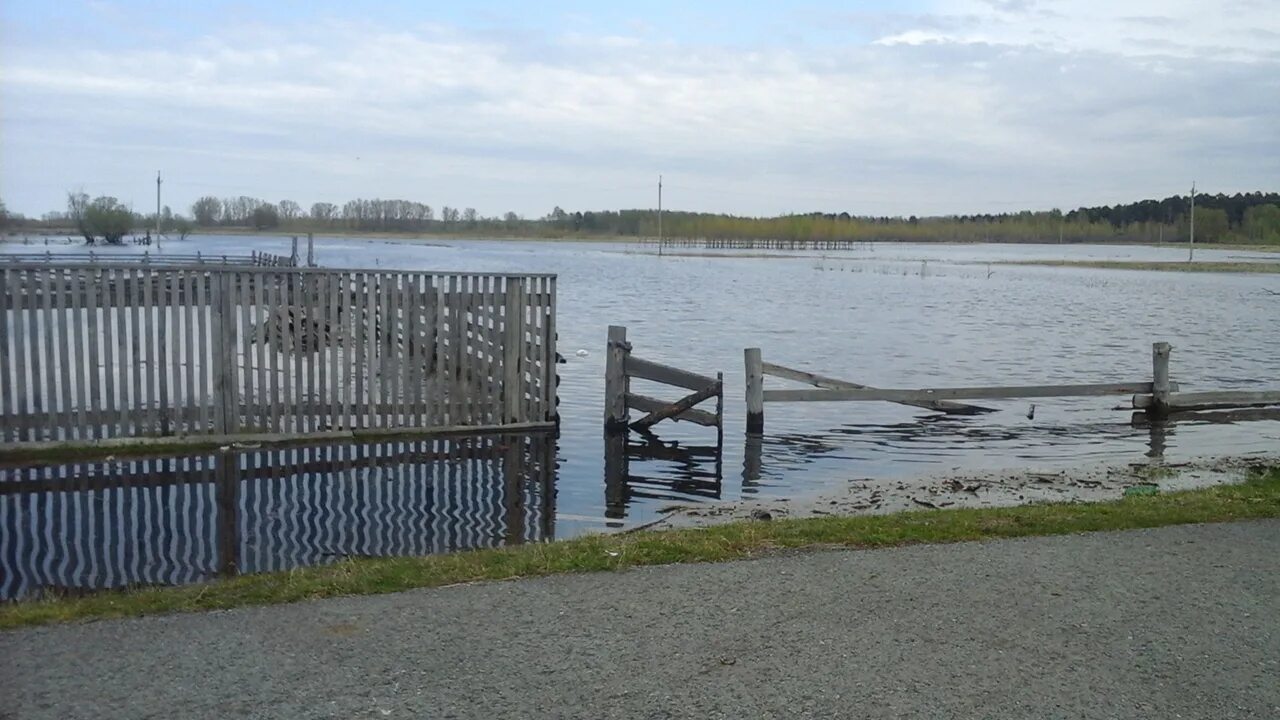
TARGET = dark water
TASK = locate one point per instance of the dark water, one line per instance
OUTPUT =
(889, 316)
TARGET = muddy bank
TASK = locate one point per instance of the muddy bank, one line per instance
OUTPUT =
(987, 488)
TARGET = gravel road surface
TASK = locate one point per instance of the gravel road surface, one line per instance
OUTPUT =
(1167, 623)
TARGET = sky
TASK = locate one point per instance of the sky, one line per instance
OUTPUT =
(922, 107)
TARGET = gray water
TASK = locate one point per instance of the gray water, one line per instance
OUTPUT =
(884, 315)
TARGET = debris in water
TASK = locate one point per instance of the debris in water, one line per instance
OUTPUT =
(759, 514)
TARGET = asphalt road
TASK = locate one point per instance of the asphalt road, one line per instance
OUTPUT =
(1176, 622)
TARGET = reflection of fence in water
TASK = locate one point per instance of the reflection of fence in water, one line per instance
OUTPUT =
(689, 472)
(177, 520)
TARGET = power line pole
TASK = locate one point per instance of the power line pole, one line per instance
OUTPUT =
(659, 215)
(157, 209)
(1191, 247)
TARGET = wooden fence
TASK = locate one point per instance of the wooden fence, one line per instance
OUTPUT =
(125, 257)
(95, 353)
(1157, 397)
(89, 525)
(621, 367)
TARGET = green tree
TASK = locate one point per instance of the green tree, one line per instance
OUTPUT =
(206, 211)
(265, 216)
(1211, 224)
(183, 227)
(105, 216)
(1262, 224)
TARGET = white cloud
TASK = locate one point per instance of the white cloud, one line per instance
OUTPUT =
(976, 107)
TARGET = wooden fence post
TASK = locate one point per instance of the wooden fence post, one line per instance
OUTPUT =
(615, 379)
(311, 250)
(755, 390)
(513, 385)
(1160, 378)
(294, 252)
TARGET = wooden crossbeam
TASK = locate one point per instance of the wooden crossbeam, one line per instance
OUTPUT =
(1023, 391)
(648, 370)
(1215, 400)
(677, 407)
(647, 404)
(829, 383)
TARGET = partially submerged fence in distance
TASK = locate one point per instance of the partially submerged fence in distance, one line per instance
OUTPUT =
(147, 257)
(93, 352)
(1158, 397)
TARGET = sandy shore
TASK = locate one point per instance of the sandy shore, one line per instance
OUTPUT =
(988, 488)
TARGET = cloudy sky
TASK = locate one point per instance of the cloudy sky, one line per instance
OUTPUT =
(917, 107)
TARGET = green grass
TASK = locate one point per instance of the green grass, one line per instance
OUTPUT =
(1259, 497)
(1175, 266)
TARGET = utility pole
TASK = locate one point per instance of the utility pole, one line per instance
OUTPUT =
(659, 215)
(1191, 247)
(157, 210)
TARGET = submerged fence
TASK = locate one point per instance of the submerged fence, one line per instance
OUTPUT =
(172, 520)
(96, 352)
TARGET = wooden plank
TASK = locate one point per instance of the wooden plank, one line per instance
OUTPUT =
(137, 388)
(551, 370)
(150, 373)
(396, 339)
(260, 332)
(316, 304)
(330, 378)
(79, 326)
(1211, 400)
(60, 337)
(347, 324)
(360, 322)
(830, 383)
(218, 354)
(54, 392)
(122, 369)
(7, 405)
(457, 338)
(894, 395)
(272, 338)
(647, 369)
(647, 404)
(298, 307)
(493, 349)
(386, 349)
(243, 306)
(24, 320)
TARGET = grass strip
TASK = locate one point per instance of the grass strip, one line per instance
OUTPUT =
(1258, 497)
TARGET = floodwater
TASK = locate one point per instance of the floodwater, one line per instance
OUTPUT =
(884, 315)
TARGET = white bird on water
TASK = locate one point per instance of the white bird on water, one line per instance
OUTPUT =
(582, 353)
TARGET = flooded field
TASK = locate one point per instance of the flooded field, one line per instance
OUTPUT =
(884, 315)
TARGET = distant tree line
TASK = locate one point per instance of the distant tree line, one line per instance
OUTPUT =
(1245, 217)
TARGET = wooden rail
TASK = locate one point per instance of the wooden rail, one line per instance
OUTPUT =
(90, 352)
(146, 257)
(621, 367)
(1158, 397)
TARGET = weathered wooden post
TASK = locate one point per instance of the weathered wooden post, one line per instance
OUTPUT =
(755, 390)
(293, 254)
(513, 387)
(226, 480)
(615, 380)
(311, 250)
(1160, 378)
